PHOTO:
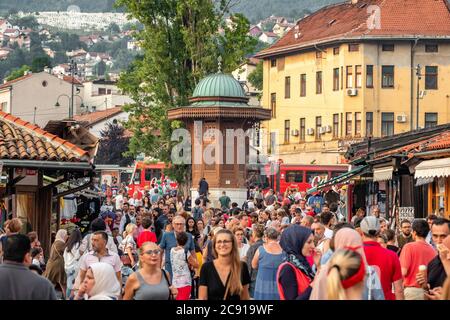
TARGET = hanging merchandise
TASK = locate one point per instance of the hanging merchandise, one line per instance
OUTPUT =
(68, 206)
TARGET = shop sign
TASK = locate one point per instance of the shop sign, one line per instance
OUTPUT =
(406, 213)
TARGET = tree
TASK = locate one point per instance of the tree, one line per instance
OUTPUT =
(40, 63)
(113, 28)
(100, 68)
(181, 43)
(17, 73)
(256, 78)
(113, 145)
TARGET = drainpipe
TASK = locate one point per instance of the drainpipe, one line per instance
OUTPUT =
(413, 50)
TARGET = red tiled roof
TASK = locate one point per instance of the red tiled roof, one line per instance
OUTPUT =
(95, 117)
(7, 84)
(403, 18)
(271, 34)
(253, 61)
(24, 141)
(69, 79)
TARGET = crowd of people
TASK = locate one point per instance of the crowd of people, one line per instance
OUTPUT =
(156, 245)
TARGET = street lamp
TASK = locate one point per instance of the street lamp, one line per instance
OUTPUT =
(57, 104)
(419, 77)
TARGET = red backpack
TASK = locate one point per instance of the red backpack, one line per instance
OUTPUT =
(302, 280)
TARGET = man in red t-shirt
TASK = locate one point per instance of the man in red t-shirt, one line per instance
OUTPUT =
(385, 259)
(146, 235)
(414, 255)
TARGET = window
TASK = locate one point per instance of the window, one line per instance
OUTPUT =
(336, 51)
(348, 123)
(357, 123)
(318, 54)
(319, 82)
(101, 91)
(387, 124)
(273, 63)
(349, 83)
(303, 85)
(431, 48)
(336, 79)
(294, 176)
(108, 91)
(302, 129)
(3, 106)
(311, 175)
(318, 126)
(388, 47)
(287, 87)
(336, 125)
(431, 119)
(387, 74)
(44, 83)
(137, 176)
(342, 78)
(431, 78)
(273, 104)
(353, 47)
(287, 128)
(358, 75)
(369, 76)
(369, 124)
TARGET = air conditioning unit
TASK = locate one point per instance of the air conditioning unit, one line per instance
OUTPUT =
(328, 129)
(310, 131)
(294, 132)
(352, 92)
(322, 130)
(401, 118)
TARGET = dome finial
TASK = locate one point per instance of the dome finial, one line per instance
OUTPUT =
(219, 64)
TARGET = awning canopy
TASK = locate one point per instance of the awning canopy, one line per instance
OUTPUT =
(433, 168)
(383, 174)
(340, 179)
(423, 181)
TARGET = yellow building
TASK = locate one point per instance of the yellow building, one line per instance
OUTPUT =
(349, 71)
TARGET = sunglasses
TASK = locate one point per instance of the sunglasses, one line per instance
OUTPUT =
(150, 252)
(221, 242)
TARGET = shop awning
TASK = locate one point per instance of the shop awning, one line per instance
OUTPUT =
(340, 179)
(423, 181)
(433, 168)
(383, 174)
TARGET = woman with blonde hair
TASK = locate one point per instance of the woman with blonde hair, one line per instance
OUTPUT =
(150, 282)
(55, 271)
(345, 279)
(128, 247)
(226, 277)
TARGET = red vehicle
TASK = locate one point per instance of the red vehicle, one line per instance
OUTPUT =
(300, 177)
(146, 175)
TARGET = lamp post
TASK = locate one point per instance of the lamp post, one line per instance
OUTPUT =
(57, 104)
(419, 76)
(73, 71)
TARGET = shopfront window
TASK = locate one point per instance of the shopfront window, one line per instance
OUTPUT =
(294, 176)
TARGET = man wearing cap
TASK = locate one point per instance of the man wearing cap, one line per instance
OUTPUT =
(386, 260)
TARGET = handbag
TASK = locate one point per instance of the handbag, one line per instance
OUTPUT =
(171, 297)
(125, 260)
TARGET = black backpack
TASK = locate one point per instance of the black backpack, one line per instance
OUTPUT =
(127, 220)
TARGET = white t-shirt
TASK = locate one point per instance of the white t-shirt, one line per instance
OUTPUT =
(243, 250)
(180, 268)
(119, 202)
(328, 233)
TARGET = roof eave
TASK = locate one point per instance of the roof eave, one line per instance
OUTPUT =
(309, 45)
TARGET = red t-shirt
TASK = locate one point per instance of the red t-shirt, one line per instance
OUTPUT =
(412, 256)
(145, 236)
(388, 263)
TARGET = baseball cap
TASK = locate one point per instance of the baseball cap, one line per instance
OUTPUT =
(370, 225)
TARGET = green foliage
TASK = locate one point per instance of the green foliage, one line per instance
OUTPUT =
(181, 44)
(24, 22)
(113, 28)
(113, 145)
(100, 68)
(69, 42)
(17, 73)
(40, 63)
(256, 77)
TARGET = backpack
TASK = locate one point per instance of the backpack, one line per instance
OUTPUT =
(197, 213)
(302, 281)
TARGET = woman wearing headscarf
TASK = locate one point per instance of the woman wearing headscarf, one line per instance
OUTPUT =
(100, 283)
(348, 238)
(295, 275)
(55, 271)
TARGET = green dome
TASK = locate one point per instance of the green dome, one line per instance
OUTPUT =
(219, 85)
